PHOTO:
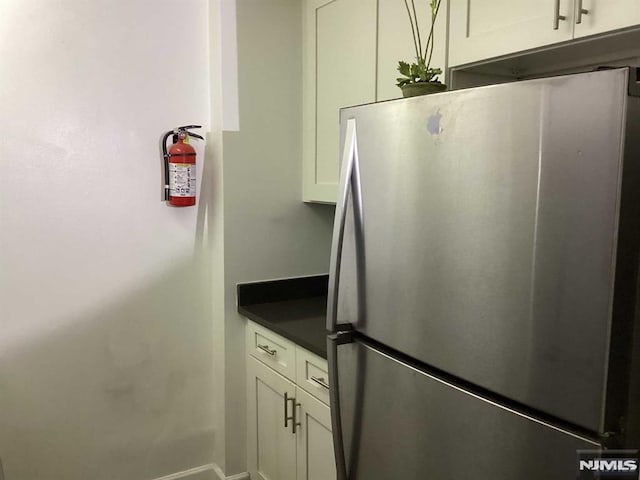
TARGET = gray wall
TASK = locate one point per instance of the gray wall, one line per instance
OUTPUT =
(269, 232)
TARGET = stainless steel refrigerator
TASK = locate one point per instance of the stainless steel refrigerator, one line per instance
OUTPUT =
(483, 292)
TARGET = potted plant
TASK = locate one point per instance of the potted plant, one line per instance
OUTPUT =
(420, 78)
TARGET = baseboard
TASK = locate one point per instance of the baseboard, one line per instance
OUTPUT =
(204, 472)
(237, 476)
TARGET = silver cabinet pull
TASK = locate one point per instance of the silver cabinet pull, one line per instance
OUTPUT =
(295, 423)
(267, 350)
(320, 381)
(286, 412)
(580, 11)
(556, 15)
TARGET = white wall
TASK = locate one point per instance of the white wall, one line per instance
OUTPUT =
(269, 232)
(106, 339)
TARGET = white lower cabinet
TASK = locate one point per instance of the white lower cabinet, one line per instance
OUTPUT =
(271, 445)
(288, 424)
(315, 443)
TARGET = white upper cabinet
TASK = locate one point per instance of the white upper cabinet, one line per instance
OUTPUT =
(339, 70)
(352, 48)
(395, 42)
(605, 15)
(482, 29)
(350, 57)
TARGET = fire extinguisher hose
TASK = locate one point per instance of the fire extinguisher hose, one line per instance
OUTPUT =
(165, 160)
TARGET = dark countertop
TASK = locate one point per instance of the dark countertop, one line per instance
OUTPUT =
(294, 308)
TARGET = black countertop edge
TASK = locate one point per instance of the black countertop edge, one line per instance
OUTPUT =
(295, 308)
(282, 289)
(307, 332)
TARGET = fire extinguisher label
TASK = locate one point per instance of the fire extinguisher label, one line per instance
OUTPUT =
(182, 179)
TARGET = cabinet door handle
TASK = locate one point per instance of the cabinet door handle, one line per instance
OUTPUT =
(296, 423)
(320, 381)
(556, 15)
(286, 412)
(267, 350)
(580, 11)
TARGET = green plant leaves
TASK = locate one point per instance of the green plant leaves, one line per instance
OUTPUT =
(420, 71)
(404, 68)
(416, 72)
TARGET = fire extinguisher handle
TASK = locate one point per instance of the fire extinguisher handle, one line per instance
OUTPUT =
(195, 135)
(185, 129)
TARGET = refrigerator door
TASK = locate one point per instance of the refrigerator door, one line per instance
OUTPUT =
(399, 422)
(489, 220)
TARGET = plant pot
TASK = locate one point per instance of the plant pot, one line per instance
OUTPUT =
(422, 88)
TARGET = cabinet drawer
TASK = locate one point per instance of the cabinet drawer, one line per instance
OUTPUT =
(271, 349)
(312, 374)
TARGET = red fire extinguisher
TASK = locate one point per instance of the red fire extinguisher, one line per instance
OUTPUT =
(180, 167)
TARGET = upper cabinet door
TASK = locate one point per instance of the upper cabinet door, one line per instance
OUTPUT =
(605, 15)
(482, 29)
(339, 71)
(395, 41)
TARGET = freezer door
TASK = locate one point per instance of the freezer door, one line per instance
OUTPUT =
(489, 219)
(399, 422)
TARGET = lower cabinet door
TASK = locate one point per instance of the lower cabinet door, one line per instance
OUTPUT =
(316, 460)
(271, 447)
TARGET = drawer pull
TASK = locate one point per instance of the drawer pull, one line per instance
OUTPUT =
(267, 350)
(320, 381)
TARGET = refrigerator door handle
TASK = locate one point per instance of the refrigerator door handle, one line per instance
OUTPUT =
(349, 182)
(333, 341)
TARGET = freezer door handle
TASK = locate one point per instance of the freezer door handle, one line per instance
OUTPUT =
(349, 182)
(334, 398)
